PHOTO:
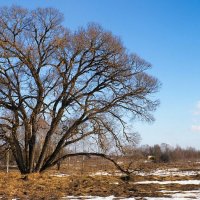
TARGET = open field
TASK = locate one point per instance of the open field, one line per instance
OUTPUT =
(78, 180)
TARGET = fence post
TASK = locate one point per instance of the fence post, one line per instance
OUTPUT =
(7, 160)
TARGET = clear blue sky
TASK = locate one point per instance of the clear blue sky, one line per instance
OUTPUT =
(165, 33)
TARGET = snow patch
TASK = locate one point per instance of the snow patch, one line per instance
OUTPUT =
(192, 194)
(60, 175)
(186, 182)
(103, 173)
(168, 172)
(96, 198)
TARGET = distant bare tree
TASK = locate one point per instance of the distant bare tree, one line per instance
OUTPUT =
(82, 84)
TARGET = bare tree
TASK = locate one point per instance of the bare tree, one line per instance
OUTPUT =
(83, 84)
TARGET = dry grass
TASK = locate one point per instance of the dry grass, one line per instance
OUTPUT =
(46, 186)
(36, 187)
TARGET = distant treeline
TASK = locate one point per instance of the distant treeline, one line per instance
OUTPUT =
(163, 153)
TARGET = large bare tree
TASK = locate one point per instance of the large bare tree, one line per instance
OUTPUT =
(80, 85)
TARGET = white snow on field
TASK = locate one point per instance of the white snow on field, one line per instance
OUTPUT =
(100, 173)
(171, 195)
(96, 198)
(187, 194)
(103, 173)
(158, 172)
(184, 195)
(184, 182)
(168, 172)
(60, 175)
(192, 194)
(167, 198)
(177, 195)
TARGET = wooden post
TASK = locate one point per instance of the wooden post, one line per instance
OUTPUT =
(68, 163)
(7, 160)
(83, 158)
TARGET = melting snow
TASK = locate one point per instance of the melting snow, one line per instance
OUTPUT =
(168, 172)
(96, 198)
(187, 195)
(102, 173)
(158, 172)
(192, 194)
(173, 195)
(184, 182)
(60, 175)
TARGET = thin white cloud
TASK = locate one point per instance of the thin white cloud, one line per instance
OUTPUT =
(196, 123)
(197, 109)
(195, 128)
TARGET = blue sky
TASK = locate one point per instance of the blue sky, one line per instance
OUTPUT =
(167, 34)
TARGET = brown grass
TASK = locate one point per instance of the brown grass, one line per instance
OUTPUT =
(36, 187)
(47, 186)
